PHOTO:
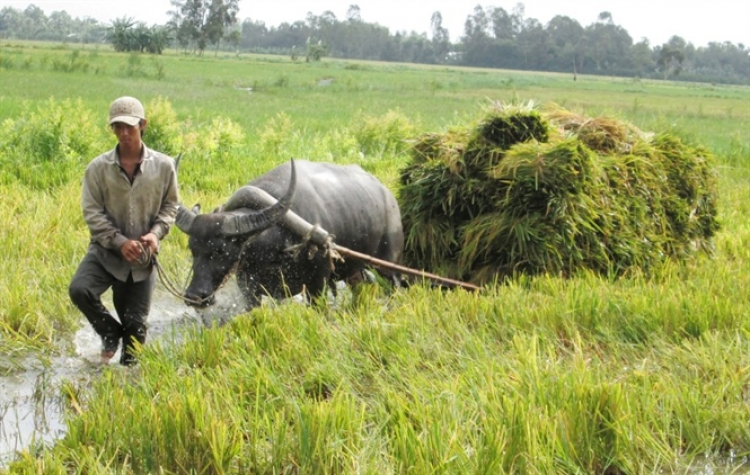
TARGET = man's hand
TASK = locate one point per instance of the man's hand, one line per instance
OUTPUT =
(151, 241)
(131, 251)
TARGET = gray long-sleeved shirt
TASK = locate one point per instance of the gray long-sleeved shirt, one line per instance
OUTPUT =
(117, 210)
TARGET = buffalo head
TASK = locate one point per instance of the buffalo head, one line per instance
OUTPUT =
(217, 240)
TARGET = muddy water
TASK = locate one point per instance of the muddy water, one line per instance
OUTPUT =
(29, 408)
(31, 411)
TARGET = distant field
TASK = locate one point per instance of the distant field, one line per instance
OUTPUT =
(324, 95)
(544, 375)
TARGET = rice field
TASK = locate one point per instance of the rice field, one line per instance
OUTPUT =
(648, 373)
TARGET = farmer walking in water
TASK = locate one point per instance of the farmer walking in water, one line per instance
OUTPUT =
(129, 202)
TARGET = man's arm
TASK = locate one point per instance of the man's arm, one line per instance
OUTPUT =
(103, 231)
(166, 215)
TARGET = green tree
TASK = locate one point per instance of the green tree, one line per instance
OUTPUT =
(234, 37)
(202, 22)
(723, 61)
(159, 39)
(608, 44)
(316, 50)
(196, 13)
(60, 25)
(180, 26)
(476, 26)
(670, 57)
(351, 33)
(567, 37)
(535, 46)
(122, 35)
(222, 15)
(127, 35)
(440, 37)
(36, 21)
(477, 42)
(354, 14)
(11, 22)
(254, 34)
(642, 58)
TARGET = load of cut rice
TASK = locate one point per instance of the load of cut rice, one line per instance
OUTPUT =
(529, 191)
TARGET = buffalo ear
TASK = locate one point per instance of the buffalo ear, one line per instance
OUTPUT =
(197, 208)
(185, 217)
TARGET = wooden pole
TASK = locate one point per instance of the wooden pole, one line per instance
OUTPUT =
(253, 197)
(375, 262)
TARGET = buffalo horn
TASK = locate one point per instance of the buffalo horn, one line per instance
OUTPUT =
(177, 162)
(260, 220)
(253, 197)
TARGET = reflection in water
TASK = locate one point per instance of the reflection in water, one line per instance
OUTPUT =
(31, 411)
(708, 465)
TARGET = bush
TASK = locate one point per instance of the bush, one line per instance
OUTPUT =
(275, 135)
(223, 137)
(209, 148)
(50, 146)
(164, 131)
(384, 135)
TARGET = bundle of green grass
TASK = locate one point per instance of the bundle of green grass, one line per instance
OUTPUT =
(529, 191)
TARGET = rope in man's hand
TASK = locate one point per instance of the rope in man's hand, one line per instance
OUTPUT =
(144, 258)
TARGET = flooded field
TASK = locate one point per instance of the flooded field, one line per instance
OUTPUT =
(31, 410)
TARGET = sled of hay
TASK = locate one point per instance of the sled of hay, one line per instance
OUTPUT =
(529, 191)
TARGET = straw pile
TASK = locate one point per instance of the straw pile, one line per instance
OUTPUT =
(524, 191)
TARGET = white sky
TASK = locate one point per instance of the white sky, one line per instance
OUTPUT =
(698, 22)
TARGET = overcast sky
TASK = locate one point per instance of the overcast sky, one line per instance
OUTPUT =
(698, 22)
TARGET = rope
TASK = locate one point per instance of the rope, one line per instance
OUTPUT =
(332, 250)
(144, 258)
(314, 247)
(171, 287)
(174, 290)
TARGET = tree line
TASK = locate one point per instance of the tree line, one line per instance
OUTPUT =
(493, 37)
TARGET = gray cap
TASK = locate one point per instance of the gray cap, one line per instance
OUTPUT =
(128, 110)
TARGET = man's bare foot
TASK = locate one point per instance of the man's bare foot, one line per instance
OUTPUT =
(109, 347)
(107, 355)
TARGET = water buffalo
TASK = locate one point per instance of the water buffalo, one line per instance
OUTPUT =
(344, 200)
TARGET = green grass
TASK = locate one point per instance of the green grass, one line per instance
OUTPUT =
(541, 375)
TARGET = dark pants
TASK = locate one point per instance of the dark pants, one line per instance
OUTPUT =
(132, 301)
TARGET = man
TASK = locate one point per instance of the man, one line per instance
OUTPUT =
(129, 202)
